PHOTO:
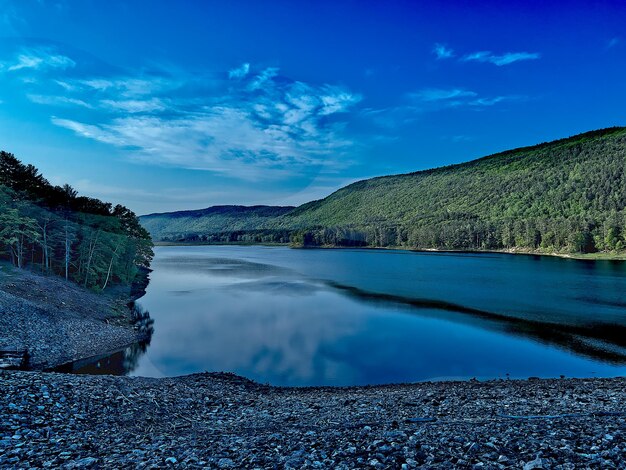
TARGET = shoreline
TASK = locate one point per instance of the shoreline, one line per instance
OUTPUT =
(58, 323)
(600, 256)
(217, 420)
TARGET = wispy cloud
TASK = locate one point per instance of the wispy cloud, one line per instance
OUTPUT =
(58, 100)
(427, 100)
(35, 59)
(439, 94)
(500, 60)
(126, 87)
(262, 125)
(240, 71)
(263, 78)
(135, 106)
(438, 98)
(442, 52)
(489, 101)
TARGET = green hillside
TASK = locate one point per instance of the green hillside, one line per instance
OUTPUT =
(217, 223)
(568, 196)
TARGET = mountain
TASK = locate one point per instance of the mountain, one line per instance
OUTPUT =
(567, 196)
(217, 223)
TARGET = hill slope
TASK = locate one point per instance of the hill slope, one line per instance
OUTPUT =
(53, 230)
(217, 223)
(568, 195)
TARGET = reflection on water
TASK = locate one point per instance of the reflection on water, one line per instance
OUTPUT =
(121, 362)
(345, 317)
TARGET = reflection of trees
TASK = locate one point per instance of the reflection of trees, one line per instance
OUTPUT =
(598, 341)
(120, 362)
(145, 329)
(140, 317)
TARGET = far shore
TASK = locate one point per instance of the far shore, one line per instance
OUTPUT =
(607, 256)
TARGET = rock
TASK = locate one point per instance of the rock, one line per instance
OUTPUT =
(85, 463)
(534, 464)
(226, 463)
(171, 460)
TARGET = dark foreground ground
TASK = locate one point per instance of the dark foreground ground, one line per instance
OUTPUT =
(223, 421)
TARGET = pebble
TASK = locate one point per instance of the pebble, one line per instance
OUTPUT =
(134, 422)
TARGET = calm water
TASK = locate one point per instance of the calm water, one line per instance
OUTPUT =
(346, 317)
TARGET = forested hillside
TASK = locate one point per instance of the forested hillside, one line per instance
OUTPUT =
(50, 229)
(218, 224)
(566, 196)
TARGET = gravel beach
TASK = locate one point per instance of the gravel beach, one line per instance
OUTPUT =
(54, 420)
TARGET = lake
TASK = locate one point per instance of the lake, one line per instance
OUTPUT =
(301, 317)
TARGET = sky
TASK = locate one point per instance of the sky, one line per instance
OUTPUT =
(171, 105)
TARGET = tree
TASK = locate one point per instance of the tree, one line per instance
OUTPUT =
(15, 232)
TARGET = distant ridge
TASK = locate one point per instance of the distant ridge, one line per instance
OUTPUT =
(225, 209)
(219, 223)
(568, 195)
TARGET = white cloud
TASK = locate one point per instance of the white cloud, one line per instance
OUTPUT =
(338, 100)
(263, 78)
(86, 130)
(66, 86)
(135, 106)
(442, 52)
(260, 124)
(128, 87)
(58, 100)
(240, 71)
(499, 60)
(39, 59)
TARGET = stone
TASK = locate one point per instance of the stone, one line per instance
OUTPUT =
(226, 463)
(85, 463)
(534, 464)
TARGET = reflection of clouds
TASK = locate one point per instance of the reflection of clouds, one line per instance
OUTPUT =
(221, 267)
(266, 337)
(276, 287)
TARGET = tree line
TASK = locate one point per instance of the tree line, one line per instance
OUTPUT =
(53, 230)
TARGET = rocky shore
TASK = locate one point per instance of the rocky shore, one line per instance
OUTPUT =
(58, 322)
(50, 420)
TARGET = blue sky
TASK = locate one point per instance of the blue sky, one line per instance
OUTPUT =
(187, 104)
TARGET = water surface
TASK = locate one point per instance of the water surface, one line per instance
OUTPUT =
(352, 317)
